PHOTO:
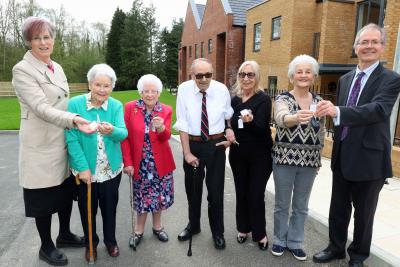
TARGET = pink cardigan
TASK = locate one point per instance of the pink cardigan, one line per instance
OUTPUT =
(133, 144)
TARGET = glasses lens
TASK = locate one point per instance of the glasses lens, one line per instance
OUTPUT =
(251, 75)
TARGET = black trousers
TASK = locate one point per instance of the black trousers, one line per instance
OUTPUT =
(363, 196)
(251, 166)
(212, 167)
(104, 195)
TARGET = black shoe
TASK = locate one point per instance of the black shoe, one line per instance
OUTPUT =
(328, 255)
(219, 242)
(262, 245)
(72, 241)
(55, 257)
(355, 263)
(241, 238)
(136, 238)
(186, 233)
(161, 234)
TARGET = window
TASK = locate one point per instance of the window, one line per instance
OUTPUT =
(190, 51)
(210, 46)
(370, 11)
(316, 42)
(196, 52)
(257, 37)
(272, 83)
(276, 28)
(202, 49)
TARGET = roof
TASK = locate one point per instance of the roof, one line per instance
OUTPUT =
(238, 9)
(200, 9)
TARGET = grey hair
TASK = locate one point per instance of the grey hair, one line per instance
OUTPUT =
(303, 59)
(370, 26)
(149, 78)
(100, 70)
(33, 25)
(237, 90)
(197, 61)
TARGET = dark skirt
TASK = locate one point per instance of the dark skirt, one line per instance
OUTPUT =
(45, 201)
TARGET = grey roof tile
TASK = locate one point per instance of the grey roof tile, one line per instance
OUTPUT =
(238, 8)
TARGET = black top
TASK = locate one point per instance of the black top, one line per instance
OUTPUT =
(256, 131)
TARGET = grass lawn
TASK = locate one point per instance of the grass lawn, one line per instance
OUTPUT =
(10, 113)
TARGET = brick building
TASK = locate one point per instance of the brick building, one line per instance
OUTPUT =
(215, 31)
(279, 30)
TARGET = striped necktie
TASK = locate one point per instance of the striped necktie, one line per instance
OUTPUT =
(204, 118)
(355, 92)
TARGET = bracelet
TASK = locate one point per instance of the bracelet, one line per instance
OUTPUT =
(227, 127)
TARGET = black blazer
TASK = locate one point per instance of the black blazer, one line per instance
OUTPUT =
(365, 153)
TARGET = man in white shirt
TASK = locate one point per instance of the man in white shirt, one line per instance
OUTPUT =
(203, 106)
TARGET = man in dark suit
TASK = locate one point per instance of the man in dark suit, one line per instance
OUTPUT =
(361, 148)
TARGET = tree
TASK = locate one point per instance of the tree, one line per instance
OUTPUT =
(113, 47)
(135, 46)
(172, 41)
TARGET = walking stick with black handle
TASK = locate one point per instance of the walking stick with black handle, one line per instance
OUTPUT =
(194, 178)
(132, 242)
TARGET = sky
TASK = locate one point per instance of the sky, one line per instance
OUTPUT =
(103, 10)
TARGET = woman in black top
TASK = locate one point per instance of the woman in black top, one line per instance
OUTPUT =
(250, 158)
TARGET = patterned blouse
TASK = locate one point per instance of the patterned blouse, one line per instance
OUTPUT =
(103, 170)
(301, 144)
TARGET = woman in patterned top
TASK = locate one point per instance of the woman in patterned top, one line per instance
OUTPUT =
(296, 155)
(97, 158)
(148, 157)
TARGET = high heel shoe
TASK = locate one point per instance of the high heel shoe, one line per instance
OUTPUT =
(241, 238)
(262, 245)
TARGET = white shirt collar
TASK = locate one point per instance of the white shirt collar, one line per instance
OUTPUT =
(89, 105)
(368, 71)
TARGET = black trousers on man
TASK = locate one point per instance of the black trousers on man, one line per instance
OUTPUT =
(364, 196)
(105, 195)
(212, 168)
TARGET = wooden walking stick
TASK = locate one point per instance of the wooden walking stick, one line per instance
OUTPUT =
(89, 209)
(132, 242)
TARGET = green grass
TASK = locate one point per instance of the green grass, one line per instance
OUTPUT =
(10, 113)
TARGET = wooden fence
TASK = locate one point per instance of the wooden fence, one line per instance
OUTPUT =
(7, 90)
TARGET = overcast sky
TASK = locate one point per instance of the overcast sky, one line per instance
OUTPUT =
(103, 10)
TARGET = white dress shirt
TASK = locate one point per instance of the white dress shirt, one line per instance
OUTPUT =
(368, 71)
(188, 107)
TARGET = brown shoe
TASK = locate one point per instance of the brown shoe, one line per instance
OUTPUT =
(113, 251)
(87, 256)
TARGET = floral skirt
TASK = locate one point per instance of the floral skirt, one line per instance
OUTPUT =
(155, 194)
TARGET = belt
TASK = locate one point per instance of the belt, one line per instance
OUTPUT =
(210, 137)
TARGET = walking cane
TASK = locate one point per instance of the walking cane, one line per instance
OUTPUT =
(194, 177)
(89, 209)
(132, 242)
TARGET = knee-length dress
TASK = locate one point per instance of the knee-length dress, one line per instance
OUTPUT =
(152, 193)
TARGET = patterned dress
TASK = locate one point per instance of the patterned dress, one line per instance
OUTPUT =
(152, 193)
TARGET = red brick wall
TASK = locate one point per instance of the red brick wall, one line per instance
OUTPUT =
(214, 22)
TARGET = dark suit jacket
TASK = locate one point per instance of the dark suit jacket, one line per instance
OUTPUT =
(365, 153)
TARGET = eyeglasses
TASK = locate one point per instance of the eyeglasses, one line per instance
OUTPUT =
(200, 76)
(366, 43)
(149, 92)
(40, 39)
(249, 75)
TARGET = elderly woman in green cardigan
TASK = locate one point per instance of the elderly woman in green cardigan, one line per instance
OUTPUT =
(96, 158)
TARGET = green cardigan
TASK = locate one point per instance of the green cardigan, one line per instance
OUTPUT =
(82, 147)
